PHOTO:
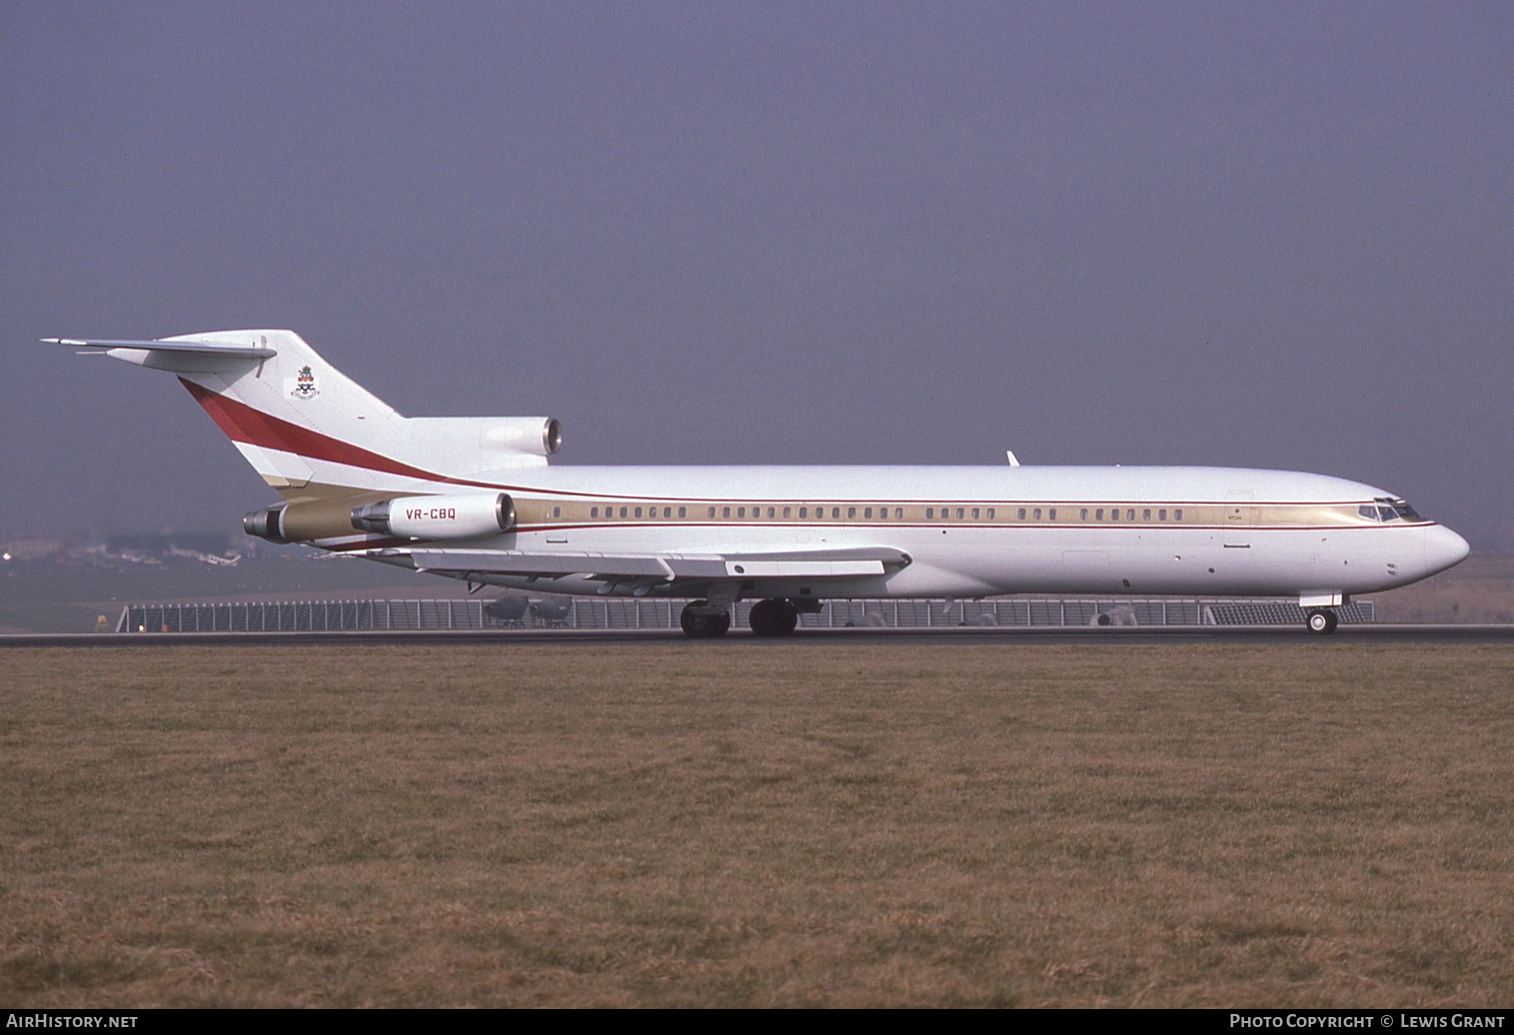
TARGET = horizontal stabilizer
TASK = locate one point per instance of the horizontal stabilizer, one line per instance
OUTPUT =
(214, 348)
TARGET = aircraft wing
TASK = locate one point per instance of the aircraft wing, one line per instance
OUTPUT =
(839, 562)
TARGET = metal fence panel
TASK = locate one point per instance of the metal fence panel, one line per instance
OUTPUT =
(628, 613)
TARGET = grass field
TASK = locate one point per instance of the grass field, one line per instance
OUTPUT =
(753, 824)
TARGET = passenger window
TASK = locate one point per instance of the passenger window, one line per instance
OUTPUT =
(712, 512)
(851, 512)
(638, 512)
(1146, 514)
(959, 513)
(975, 513)
(557, 512)
(1083, 514)
(1035, 515)
(683, 511)
(1020, 513)
(868, 512)
(594, 512)
(1130, 514)
(725, 512)
(930, 513)
(836, 513)
(1052, 514)
(1114, 514)
(804, 512)
(788, 512)
(1098, 515)
(990, 513)
(625, 511)
(1177, 515)
(1162, 514)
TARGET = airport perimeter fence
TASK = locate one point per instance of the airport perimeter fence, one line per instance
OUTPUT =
(620, 613)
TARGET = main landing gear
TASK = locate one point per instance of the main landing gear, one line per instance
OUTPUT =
(704, 622)
(774, 617)
(1321, 620)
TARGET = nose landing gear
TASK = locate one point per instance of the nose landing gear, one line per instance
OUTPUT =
(1321, 620)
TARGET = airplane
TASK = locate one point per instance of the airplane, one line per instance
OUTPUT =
(475, 499)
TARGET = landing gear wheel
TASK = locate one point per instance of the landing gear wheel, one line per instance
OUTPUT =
(1322, 621)
(774, 617)
(703, 624)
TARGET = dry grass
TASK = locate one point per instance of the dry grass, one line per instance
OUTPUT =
(739, 824)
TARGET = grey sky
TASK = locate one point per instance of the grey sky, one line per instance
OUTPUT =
(1263, 235)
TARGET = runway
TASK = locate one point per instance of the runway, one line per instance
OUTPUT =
(1383, 633)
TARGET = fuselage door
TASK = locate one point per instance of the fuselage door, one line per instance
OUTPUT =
(1240, 519)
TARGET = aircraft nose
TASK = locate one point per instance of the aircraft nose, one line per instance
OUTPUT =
(1443, 548)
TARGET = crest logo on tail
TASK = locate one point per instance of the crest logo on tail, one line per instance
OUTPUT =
(302, 386)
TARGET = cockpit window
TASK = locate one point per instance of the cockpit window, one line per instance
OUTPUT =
(1367, 511)
(1393, 509)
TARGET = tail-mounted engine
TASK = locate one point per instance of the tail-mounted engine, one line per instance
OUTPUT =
(437, 517)
(407, 517)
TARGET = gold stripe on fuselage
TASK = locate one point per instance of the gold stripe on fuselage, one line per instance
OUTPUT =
(998, 514)
(324, 511)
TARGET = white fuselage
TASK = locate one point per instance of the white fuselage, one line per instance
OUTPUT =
(979, 531)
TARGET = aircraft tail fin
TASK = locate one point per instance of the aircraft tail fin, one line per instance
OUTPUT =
(305, 427)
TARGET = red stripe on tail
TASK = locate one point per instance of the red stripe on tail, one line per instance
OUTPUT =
(242, 423)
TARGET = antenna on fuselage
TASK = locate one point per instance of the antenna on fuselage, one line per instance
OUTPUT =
(1014, 461)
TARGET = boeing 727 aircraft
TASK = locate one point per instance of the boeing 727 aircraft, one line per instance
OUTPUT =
(473, 498)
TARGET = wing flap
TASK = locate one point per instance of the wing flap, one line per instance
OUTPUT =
(537, 565)
(841, 562)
